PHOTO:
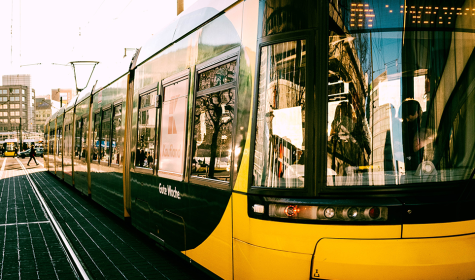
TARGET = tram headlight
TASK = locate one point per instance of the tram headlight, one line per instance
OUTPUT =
(328, 213)
(352, 213)
(291, 210)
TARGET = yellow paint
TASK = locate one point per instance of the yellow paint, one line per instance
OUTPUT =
(10, 154)
(253, 262)
(431, 258)
(215, 253)
(438, 230)
(297, 238)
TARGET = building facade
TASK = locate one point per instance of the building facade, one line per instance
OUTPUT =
(14, 113)
(42, 112)
(22, 80)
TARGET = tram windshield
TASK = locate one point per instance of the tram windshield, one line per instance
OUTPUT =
(401, 92)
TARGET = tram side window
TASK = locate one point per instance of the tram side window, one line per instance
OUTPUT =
(213, 123)
(146, 132)
(105, 136)
(66, 140)
(172, 133)
(95, 136)
(51, 142)
(77, 149)
(85, 128)
(59, 137)
(117, 136)
(279, 155)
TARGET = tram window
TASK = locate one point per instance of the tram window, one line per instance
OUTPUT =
(404, 114)
(77, 149)
(84, 132)
(213, 123)
(51, 140)
(105, 143)
(66, 140)
(173, 127)
(117, 136)
(59, 142)
(95, 137)
(146, 132)
(279, 156)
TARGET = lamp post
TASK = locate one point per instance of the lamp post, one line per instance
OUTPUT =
(82, 73)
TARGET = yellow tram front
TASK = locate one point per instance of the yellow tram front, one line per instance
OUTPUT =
(361, 149)
(11, 147)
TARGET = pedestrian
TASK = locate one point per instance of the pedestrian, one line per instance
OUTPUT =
(32, 155)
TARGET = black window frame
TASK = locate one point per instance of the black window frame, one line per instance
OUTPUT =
(176, 78)
(313, 171)
(229, 56)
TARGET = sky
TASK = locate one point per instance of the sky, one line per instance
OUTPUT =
(35, 35)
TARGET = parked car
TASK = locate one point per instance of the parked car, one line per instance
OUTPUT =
(26, 153)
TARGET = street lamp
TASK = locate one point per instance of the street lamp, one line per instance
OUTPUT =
(82, 73)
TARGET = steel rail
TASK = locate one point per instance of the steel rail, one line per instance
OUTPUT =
(73, 256)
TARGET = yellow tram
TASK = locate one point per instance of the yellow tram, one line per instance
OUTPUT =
(279, 139)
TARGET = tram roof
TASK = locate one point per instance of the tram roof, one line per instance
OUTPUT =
(187, 21)
(71, 103)
(83, 95)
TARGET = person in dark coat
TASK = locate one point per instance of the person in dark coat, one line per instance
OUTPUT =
(32, 155)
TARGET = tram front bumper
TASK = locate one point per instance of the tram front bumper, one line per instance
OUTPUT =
(420, 258)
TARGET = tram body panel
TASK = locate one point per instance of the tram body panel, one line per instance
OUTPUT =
(254, 262)
(438, 229)
(420, 258)
(68, 147)
(214, 223)
(59, 145)
(51, 145)
(81, 148)
(215, 252)
(271, 234)
(106, 166)
(199, 210)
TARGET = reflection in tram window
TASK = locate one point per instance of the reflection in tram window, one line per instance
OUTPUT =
(279, 159)
(95, 137)
(217, 76)
(85, 127)
(401, 101)
(212, 141)
(173, 130)
(67, 140)
(146, 133)
(105, 136)
(117, 136)
(59, 141)
(77, 148)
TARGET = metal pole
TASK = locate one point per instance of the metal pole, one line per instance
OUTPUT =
(179, 6)
(21, 144)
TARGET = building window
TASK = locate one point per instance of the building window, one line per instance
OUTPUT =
(16, 91)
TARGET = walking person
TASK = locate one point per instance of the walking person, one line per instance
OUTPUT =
(32, 155)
